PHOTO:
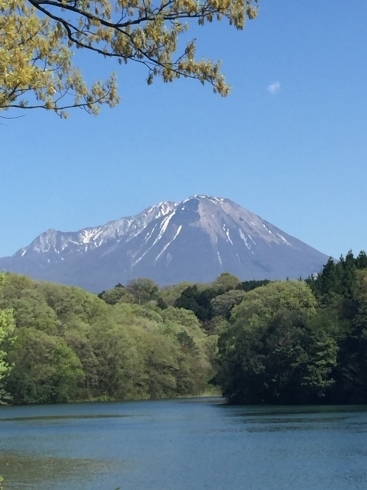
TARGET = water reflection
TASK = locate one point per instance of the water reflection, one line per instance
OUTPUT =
(33, 472)
(183, 445)
(298, 418)
(55, 418)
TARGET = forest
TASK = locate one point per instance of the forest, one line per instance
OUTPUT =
(255, 342)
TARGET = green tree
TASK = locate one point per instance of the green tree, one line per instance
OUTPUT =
(263, 355)
(351, 372)
(223, 304)
(285, 362)
(171, 293)
(120, 363)
(72, 346)
(143, 290)
(198, 301)
(226, 282)
(119, 294)
(250, 285)
(45, 369)
(334, 286)
(37, 38)
(33, 311)
(262, 304)
(78, 338)
(183, 317)
(7, 326)
(6, 329)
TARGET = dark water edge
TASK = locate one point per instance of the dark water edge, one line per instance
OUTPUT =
(183, 444)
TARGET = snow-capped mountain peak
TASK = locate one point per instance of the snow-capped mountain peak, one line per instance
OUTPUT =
(195, 239)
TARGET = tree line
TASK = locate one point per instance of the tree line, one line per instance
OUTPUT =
(69, 345)
(300, 342)
(255, 341)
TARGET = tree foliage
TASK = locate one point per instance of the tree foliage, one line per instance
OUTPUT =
(223, 304)
(284, 362)
(6, 329)
(197, 301)
(46, 369)
(262, 304)
(36, 67)
(267, 353)
(295, 342)
(72, 346)
(216, 299)
(37, 38)
(143, 290)
(261, 342)
(226, 282)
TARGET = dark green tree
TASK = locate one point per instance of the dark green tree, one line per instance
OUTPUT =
(143, 290)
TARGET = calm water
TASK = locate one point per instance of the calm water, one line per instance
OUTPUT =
(182, 445)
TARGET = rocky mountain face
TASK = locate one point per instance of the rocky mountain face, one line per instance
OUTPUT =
(193, 240)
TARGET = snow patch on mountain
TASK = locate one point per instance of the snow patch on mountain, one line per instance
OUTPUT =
(169, 243)
(244, 238)
(219, 258)
(283, 239)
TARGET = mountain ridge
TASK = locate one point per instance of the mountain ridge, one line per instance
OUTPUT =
(195, 239)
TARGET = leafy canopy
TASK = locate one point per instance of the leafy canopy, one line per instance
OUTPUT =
(37, 38)
(6, 329)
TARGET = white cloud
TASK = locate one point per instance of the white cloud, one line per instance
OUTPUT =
(273, 88)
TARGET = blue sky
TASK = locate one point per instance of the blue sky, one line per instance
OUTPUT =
(289, 143)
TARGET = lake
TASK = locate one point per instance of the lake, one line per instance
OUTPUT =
(185, 444)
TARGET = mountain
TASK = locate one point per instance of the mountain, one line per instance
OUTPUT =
(193, 240)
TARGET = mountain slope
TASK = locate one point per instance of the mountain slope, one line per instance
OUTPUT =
(194, 240)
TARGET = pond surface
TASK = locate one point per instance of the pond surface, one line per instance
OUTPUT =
(192, 444)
